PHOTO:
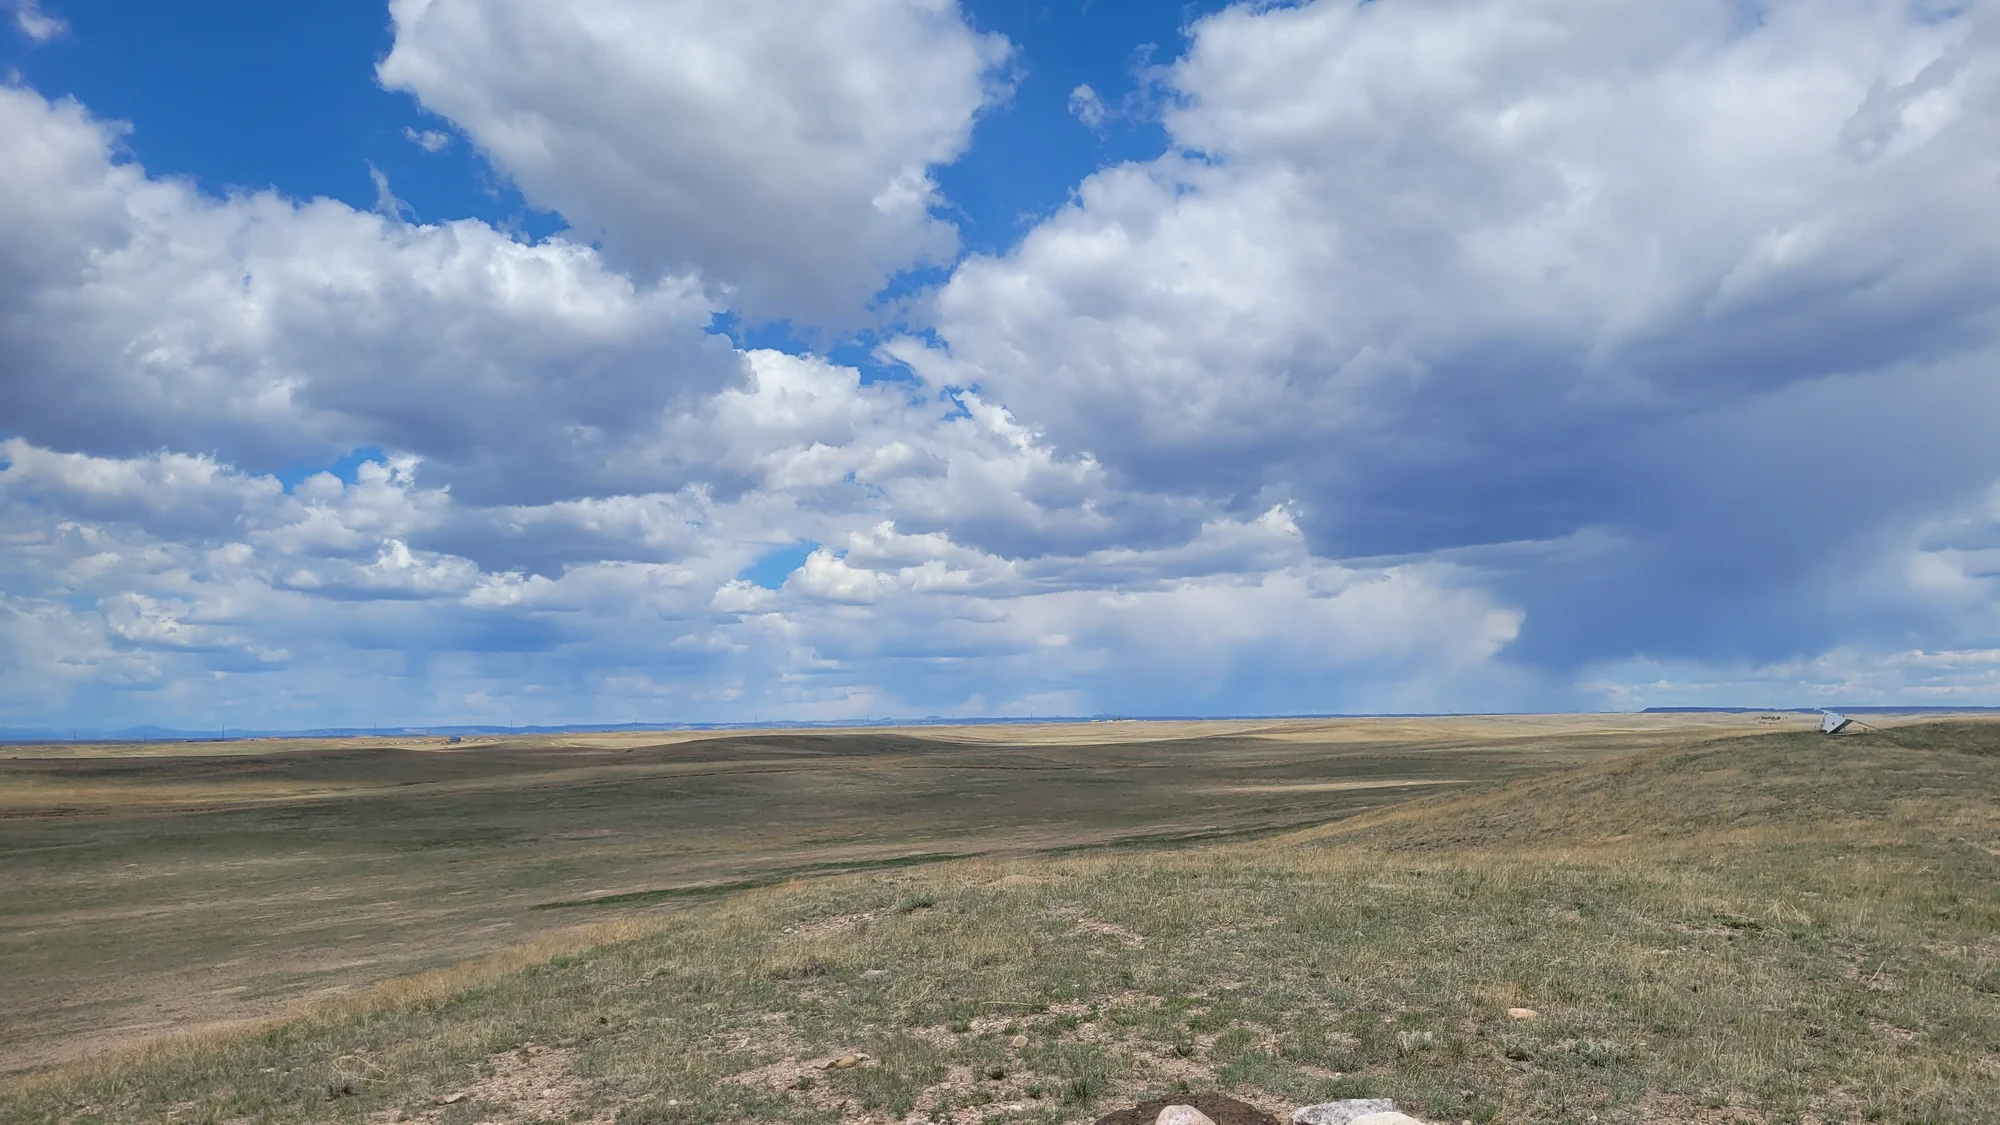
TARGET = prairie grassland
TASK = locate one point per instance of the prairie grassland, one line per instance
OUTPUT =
(150, 889)
(1776, 928)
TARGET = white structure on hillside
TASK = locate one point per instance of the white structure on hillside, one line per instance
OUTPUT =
(1831, 723)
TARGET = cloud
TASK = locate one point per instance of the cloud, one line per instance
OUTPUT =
(577, 473)
(1450, 357)
(140, 314)
(1448, 277)
(178, 578)
(1842, 677)
(780, 151)
(1087, 107)
(36, 24)
(430, 140)
(386, 203)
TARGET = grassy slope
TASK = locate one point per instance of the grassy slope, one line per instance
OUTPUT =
(227, 887)
(1783, 928)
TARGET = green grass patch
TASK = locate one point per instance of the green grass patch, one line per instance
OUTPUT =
(782, 875)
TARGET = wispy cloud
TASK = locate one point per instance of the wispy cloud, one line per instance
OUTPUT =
(1087, 107)
(35, 23)
(430, 140)
(386, 202)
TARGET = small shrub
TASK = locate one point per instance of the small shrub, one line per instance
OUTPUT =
(1597, 1052)
(1339, 1089)
(1232, 1043)
(799, 967)
(1082, 1088)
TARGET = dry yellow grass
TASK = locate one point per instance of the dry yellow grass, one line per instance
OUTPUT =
(1783, 928)
(229, 882)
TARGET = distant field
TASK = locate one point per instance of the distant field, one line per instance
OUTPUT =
(1714, 922)
(147, 888)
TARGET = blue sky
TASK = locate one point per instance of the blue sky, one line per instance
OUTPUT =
(456, 362)
(242, 95)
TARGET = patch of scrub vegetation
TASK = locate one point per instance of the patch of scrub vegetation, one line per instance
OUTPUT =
(782, 875)
(1785, 928)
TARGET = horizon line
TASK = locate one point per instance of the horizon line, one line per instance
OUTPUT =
(153, 732)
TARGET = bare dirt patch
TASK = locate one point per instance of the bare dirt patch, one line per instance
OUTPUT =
(1221, 1110)
(531, 1084)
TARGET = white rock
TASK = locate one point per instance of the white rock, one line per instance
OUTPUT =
(1182, 1115)
(1343, 1112)
(1522, 1013)
(1389, 1118)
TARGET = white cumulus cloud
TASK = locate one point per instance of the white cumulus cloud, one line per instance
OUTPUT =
(1452, 276)
(1452, 355)
(783, 151)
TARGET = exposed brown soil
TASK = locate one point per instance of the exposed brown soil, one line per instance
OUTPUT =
(1221, 1110)
(531, 1084)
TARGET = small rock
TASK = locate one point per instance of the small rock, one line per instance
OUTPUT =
(874, 974)
(1522, 1014)
(1182, 1115)
(1343, 1112)
(1019, 1041)
(1389, 1118)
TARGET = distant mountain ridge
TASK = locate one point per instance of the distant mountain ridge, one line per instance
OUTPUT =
(151, 733)
(231, 734)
